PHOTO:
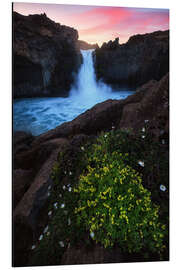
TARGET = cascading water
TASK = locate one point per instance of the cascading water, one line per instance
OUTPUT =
(87, 90)
(37, 115)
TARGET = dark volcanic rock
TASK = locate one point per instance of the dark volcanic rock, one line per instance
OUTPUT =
(92, 255)
(21, 141)
(45, 56)
(83, 45)
(22, 180)
(142, 58)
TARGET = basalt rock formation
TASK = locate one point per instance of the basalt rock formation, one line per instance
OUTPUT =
(45, 56)
(142, 58)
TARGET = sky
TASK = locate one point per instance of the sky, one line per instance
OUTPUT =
(98, 24)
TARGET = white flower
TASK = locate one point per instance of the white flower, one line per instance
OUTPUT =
(46, 229)
(105, 135)
(82, 148)
(41, 237)
(113, 127)
(70, 173)
(69, 189)
(55, 205)
(141, 163)
(69, 221)
(146, 121)
(143, 129)
(64, 187)
(62, 205)
(143, 136)
(163, 141)
(61, 243)
(49, 213)
(162, 188)
(33, 247)
(92, 234)
(65, 172)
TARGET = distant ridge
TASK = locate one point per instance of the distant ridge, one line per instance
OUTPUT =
(83, 45)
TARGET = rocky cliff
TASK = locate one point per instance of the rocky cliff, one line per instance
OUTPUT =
(45, 56)
(142, 58)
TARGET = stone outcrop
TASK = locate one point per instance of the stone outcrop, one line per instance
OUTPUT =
(142, 58)
(45, 56)
(83, 45)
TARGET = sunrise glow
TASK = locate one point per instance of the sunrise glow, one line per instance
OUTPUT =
(101, 24)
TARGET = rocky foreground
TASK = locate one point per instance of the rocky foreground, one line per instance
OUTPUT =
(45, 56)
(142, 58)
(34, 158)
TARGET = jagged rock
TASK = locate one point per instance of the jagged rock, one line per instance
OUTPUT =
(142, 58)
(45, 56)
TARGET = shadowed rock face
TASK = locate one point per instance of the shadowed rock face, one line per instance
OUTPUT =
(142, 58)
(45, 55)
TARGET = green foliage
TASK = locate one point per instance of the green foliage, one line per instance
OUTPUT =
(114, 205)
(109, 189)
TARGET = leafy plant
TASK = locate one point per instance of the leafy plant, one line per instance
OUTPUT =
(114, 205)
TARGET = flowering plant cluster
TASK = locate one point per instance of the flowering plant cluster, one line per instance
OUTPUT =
(114, 205)
(108, 191)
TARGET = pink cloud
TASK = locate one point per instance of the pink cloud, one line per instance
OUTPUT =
(100, 24)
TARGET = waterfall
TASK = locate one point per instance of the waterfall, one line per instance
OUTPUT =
(86, 89)
(38, 115)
